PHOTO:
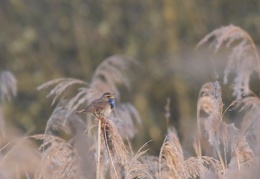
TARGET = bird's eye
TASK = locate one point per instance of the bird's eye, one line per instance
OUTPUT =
(203, 93)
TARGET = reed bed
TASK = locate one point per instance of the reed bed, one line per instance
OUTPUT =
(83, 146)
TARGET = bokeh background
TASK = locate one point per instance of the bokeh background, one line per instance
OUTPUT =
(43, 40)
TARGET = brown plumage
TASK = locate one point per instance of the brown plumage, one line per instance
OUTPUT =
(102, 106)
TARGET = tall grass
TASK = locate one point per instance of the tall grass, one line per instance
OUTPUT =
(77, 146)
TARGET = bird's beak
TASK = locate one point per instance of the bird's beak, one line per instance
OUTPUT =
(113, 96)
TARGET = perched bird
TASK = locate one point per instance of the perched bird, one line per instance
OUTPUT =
(102, 106)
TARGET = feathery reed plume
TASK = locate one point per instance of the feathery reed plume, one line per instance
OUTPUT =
(152, 164)
(250, 123)
(7, 86)
(173, 165)
(2, 123)
(110, 73)
(135, 168)
(241, 152)
(8, 90)
(251, 106)
(205, 108)
(113, 141)
(85, 147)
(62, 85)
(127, 127)
(200, 166)
(243, 59)
(16, 151)
(59, 160)
(243, 162)
(171, 158)
(122, 163)
(209, 109)
(205, 105)
(58, 121)
(216, 130)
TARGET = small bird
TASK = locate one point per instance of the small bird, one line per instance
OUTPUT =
(102, 106)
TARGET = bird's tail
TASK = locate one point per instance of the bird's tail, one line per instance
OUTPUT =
(81, 111)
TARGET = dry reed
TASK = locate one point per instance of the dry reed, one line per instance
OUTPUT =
(237, 150)
(8, 87)
(59, 159)
(173, 165)
(243, 59)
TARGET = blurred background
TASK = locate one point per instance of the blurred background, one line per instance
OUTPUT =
(43, 40)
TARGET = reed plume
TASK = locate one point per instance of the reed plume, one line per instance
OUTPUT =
(152, 163)
(212, 125)
(243, 58)
(108, 75)
(8, 89)
(243, 160)
(113, 141)
(122, 164)
(173, 165)
(136, 168)
(58, 160)
(16, 151)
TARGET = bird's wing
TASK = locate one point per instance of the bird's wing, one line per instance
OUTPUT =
(101, 104)
(96, 105)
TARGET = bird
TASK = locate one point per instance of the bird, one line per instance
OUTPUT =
(102, 106)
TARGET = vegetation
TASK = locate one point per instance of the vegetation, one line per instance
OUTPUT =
(182, 110)
(72, 142)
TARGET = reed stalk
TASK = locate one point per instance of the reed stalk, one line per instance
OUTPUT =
(99, 150)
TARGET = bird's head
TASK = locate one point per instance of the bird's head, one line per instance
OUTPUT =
(107, 96)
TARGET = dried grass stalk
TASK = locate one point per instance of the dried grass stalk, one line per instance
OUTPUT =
(59, 160)
(98, 150)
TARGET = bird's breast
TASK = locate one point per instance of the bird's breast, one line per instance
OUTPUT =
(112, 103)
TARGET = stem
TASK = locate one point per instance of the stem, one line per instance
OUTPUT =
(221, 159)
(99, 149)
(199, 133)
(110, 156)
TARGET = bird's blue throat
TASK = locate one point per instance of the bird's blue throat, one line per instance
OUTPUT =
(112, 103)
